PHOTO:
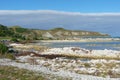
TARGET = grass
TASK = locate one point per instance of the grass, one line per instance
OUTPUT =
(87, 65)
(5, 38)
(14, 73)
(8, 55)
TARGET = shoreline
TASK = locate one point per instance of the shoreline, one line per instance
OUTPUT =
(77, 52)
(84, 40)
(70, 61)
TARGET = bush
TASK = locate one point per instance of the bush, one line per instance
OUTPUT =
(3, 48)
(10, 56)
(41, 38)
(14, 40)
(87, 65)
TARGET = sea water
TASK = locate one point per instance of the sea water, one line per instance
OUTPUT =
(114, 45)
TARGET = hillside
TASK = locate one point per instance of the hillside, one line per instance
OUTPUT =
(34, 34)
(61, 33)
(4, 31)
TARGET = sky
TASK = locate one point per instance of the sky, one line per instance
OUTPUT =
(92, 15)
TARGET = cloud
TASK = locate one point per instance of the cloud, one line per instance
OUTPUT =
(55, 12)
(47, 19)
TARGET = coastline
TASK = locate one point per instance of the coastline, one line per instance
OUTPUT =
(84, 40)
(75, 62)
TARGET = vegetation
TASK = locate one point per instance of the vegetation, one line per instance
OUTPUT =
(56, 29)
(11, 32)
(18, 29)
(13, 73)
(3, 48)
(14, 40)
(4, 31)
(4, 52)
(22, 34)
(10, 56)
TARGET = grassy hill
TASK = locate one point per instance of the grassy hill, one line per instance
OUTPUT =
(34, 34)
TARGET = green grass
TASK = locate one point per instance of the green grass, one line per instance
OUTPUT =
(5, 38)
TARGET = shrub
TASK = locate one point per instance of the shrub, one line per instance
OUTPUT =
(3, 48)
(87, 65)
(41, 38)
(14, 40)
(10, 56)
(50, 39)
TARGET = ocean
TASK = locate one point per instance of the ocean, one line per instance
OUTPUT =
(114, 45)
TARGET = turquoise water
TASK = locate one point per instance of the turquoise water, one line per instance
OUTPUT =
(88, 45)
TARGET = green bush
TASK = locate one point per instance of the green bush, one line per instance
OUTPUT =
(3, 48)
(14, 40)
(4, 31)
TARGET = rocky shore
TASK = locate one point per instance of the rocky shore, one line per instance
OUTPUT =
(74, 63)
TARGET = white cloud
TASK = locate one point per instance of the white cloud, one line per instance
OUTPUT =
(4, 12)
(47, 19)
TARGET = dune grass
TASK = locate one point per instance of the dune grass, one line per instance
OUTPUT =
(13, 73)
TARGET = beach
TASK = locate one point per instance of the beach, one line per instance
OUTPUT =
(75, 62)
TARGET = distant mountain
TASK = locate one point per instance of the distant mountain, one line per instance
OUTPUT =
(56, 33)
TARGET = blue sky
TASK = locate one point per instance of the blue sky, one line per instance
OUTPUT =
(92, 15)
(86, 6)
